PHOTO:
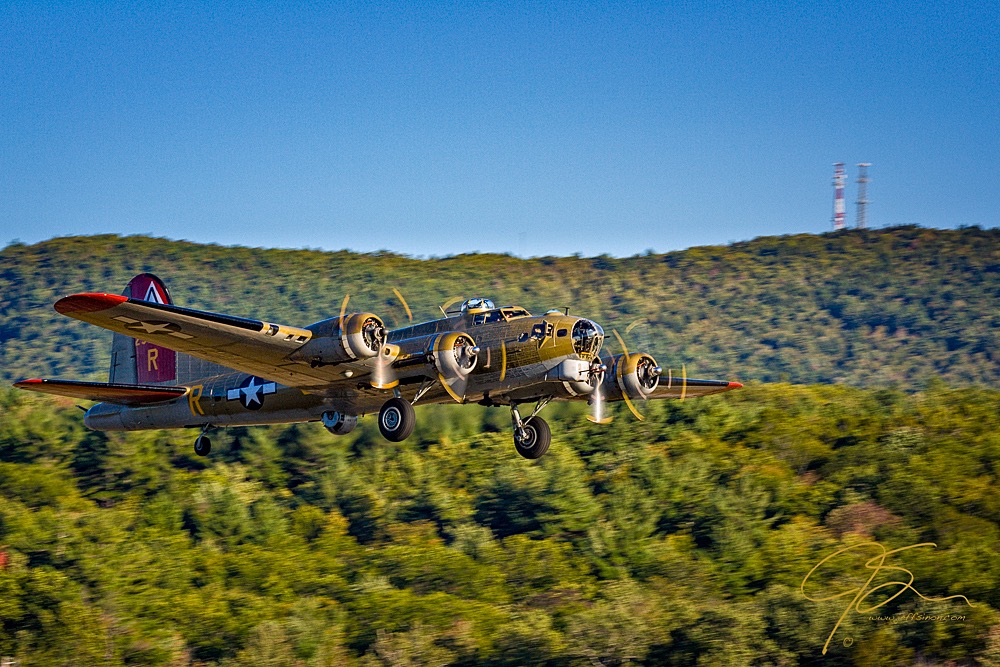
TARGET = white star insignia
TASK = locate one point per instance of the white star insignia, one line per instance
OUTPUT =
(252, 392)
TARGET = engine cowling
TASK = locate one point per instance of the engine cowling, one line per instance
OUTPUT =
(455, 355)
(336, 340)
(637, 376)
(578, 376)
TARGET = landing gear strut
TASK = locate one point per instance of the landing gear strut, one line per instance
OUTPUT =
(202, 445)
(532, 436)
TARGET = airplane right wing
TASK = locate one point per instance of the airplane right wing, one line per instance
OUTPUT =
(691, 388)
(251, 346)
(108, 392)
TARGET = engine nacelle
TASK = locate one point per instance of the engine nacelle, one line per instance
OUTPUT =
(637, 376)
(338, 423)
(358, 336)
(454, 355)
(576, 375)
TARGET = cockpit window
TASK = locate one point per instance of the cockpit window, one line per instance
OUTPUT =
(587, 338)
(487, 318)
(495, 315)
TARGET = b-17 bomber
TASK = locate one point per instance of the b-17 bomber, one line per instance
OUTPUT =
(175, 367)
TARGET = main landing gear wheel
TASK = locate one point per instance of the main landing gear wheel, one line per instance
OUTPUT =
(396, 420)
(202, 445)
(532, 440)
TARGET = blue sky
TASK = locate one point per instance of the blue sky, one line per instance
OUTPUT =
(534, 128)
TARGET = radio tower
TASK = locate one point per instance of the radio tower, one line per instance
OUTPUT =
(838, 195)
(863, 194)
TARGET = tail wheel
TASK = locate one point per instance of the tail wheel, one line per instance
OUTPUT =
(533, 439)
(396, 420)
(202, 445)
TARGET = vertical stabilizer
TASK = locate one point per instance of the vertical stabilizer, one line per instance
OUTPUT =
(137, 362)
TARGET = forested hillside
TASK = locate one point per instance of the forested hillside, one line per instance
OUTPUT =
(679, 541)
(892, 307)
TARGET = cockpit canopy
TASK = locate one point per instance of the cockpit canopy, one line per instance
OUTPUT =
(587, 338)
(477, 304)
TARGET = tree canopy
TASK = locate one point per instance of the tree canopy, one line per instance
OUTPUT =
(887, 307)
(680, 540)
(684, 539)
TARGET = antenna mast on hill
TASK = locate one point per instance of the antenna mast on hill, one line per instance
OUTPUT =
(838, 195)
(863, 194)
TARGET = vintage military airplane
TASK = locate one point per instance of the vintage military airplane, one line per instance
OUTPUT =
(174, 367)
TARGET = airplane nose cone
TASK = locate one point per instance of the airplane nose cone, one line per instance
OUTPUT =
(587, 337)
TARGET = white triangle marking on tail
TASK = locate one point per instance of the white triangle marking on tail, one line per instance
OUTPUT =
(153, 294)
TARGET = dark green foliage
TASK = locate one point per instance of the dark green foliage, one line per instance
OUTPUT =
(682, 540)
(891, 307)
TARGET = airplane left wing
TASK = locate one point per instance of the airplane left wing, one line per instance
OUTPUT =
(251, 346)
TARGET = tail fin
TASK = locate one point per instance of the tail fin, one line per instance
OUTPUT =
(137, 362)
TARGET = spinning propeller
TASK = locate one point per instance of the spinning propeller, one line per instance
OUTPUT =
(636, 377)
(596, 379)
(448, 304)
(406, 306)
(454, 357)
(451, 357)
(383, 375)
(619, 372)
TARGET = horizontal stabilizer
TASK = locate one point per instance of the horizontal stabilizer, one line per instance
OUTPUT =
(121, 394)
